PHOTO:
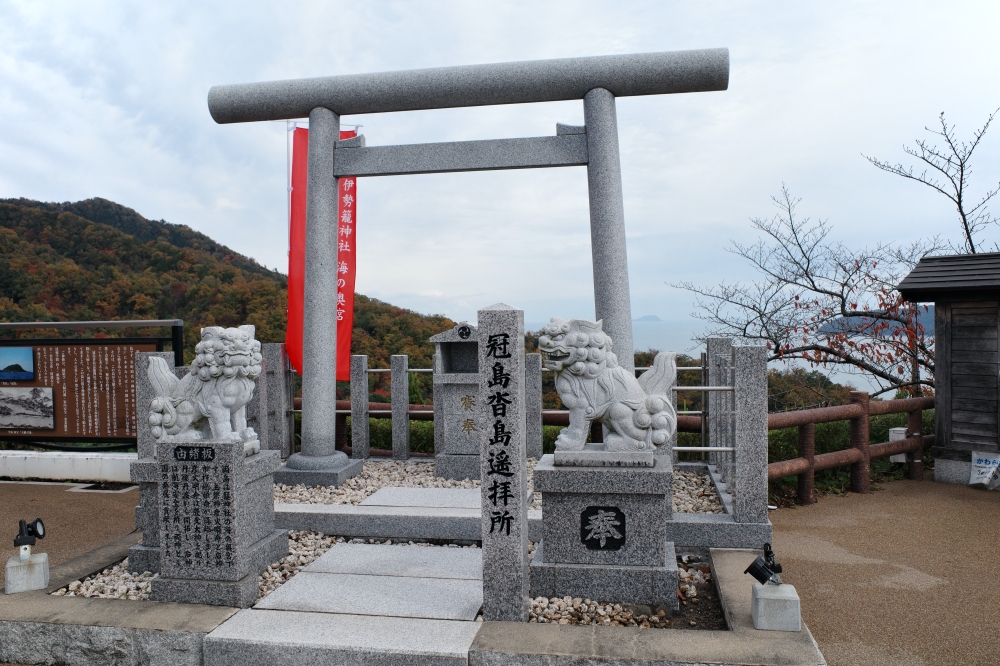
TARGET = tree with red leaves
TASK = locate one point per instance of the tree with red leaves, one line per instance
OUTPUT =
(822, 302)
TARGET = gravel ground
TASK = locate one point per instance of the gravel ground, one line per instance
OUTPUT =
(584, 611)
(694, 492)
(115, 582)
(693, 574)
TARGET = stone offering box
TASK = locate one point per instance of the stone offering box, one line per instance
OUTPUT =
(456, 384)
(216, 522)
(604, 533)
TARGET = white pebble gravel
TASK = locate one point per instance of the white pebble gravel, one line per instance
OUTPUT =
(694, 492)
(569, 610)
(115, 582)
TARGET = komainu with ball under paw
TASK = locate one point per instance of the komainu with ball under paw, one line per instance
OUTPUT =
(638, 413)
(210, 401)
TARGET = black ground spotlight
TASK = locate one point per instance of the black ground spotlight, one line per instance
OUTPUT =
(27, 533)
(764, 568)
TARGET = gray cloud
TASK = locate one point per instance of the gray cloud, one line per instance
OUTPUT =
(108, 99)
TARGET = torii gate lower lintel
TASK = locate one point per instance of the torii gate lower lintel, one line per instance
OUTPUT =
(595, 80)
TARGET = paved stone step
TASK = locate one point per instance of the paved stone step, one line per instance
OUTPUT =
(444, 498)
(399, 596)
(407, 561)
(255, 637)
(391, 522)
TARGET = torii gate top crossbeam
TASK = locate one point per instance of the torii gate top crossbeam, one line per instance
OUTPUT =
(474, 85)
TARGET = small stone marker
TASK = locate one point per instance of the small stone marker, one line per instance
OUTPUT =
(216, 522)
(456, 385)
(501, 426)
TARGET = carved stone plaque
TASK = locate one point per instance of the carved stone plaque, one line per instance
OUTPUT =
(602, 528)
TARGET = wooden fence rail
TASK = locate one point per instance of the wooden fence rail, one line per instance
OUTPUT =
(805, 466)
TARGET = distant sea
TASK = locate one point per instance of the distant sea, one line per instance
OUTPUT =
(16, 376)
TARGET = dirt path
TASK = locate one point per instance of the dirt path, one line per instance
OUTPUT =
(75, 523)
(905, 576)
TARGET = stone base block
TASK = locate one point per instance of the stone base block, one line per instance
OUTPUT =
(324, 477)
(26, 575)
(236, 593)
(593, 458)
(457, 467)
(620, 584)
(714, 530)
(239, 593)
(775, 607)
(144, 558)
(952, 471)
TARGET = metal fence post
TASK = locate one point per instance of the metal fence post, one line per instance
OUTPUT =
(915, 459)
(861, 470)
(807, 450)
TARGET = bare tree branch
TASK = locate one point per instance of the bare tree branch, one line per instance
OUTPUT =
(954, 166)
(822, 302)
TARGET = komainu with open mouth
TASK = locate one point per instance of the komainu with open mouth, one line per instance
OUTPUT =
(210, 401)
(637, 412)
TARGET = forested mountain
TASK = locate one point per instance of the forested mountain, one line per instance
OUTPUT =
(97, 260)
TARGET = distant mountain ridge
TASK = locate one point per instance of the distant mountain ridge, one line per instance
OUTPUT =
(129, 221)
(98, 260)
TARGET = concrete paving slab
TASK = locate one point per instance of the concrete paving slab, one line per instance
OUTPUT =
(407, 561)
(263, 637)
(397, 596)
(444, 498)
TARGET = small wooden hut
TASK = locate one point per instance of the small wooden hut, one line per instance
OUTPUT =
(965, 290)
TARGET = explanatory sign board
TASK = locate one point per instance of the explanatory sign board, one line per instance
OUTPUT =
(72, 390)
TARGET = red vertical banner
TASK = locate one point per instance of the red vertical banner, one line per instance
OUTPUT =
(297, 247)
(347, 201)
(346, 240)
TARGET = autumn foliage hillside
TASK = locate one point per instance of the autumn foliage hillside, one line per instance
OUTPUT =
(97, 260)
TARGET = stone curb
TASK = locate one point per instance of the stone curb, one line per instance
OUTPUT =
(78, 631)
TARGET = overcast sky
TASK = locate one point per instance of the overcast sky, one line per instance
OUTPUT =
(108, 99)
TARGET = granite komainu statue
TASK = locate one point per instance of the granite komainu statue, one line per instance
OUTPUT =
(210, 401)
(637, 413)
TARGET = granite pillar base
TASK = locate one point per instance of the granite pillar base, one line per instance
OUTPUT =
(952, 471)
(144, 558)
(457, 467)
(607, 583)
(318, 471)
(240, 593)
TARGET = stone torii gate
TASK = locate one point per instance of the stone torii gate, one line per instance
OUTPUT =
(595, 80)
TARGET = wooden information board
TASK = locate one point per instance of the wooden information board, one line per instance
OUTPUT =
(72, 390)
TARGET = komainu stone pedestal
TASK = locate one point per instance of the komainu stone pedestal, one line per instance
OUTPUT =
(604, 534)
(216, 522)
